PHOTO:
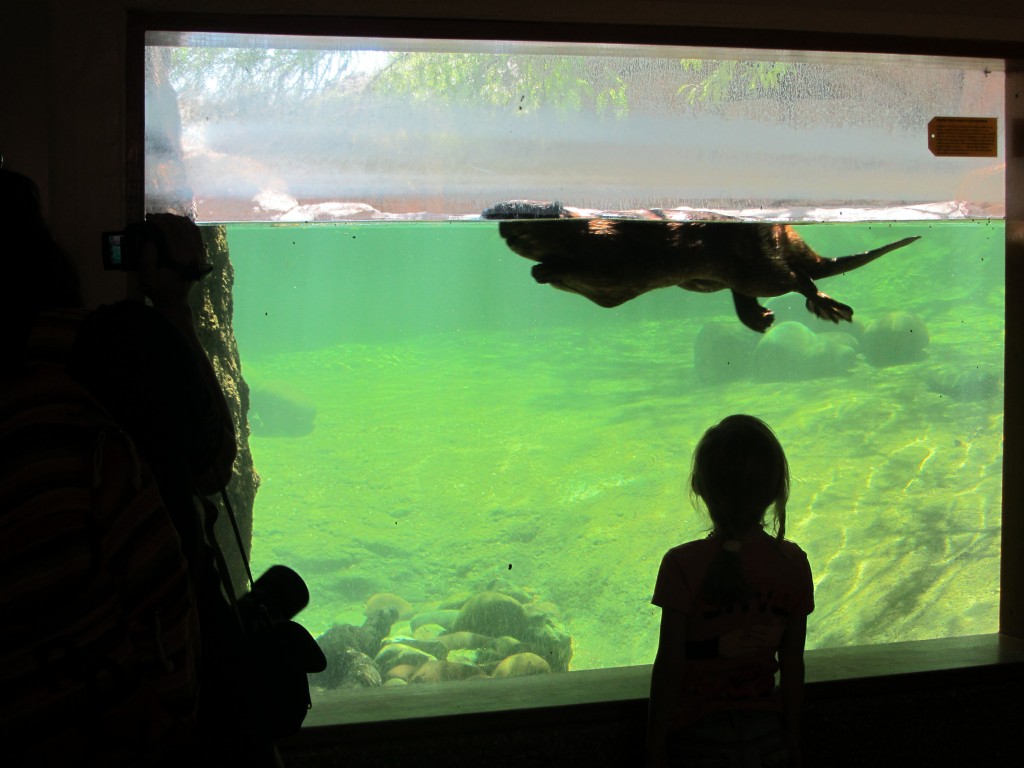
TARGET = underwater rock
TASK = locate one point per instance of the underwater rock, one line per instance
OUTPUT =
(458, 640)
(349, 669)
(397, 654)
(493, 614)
(791, 352)
(455, 602)
(428, 631)
(478, 657)
(787, 352)
(491, 628)
(522, 665)
(401, 672)
(346, 668)
(507, 587)
(274, 411)
(840, 339)
(445, 618)
(723, 352)
(384, 600)
(506, 646)
(894, 338)
(970, 385)
(341, 640)
(616, 257)
(547, 638)
(445, 671)
(481, 649)
(434, 647)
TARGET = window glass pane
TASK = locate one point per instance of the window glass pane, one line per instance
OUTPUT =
(430, 422)
(284, 128)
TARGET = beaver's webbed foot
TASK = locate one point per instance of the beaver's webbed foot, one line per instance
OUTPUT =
(827, 308)
(752, 314)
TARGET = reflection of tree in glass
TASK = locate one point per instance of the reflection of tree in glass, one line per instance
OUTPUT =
(267, 80)
(271, 76)
(717, 81)
(248, 79)
(521, 82)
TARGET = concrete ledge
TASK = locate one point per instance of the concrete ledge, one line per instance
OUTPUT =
(622, 692)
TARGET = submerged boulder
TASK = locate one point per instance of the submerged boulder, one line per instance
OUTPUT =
(493, 614)
(895, 338)
(522, 665)
(791, 351)
(347, 647)
(276, 411)
(971, 384)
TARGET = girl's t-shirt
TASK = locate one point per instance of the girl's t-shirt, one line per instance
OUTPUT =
(731, 653)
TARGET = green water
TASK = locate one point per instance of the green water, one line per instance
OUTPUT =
(472, 425)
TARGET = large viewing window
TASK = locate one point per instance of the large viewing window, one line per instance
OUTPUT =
(438, 433)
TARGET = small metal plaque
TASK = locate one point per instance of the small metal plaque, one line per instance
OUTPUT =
(963, 136)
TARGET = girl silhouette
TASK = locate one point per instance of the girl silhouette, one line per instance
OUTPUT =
(734, 612)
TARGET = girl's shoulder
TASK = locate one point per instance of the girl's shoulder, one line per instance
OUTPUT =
(697, 545)
(692, 552)
(791, 547)
(793, 553)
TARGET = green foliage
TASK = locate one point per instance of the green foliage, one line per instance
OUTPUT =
(251, 79)
(223, 75)
(718, 81)
(522, 83)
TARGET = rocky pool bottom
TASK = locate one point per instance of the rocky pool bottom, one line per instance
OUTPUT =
(502, 631)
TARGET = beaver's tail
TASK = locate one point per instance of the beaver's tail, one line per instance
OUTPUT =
(841, 264)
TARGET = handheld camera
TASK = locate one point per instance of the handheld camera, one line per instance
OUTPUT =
(123, 250)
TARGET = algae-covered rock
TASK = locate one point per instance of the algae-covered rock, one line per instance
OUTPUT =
(457, 640)
(381, 601)
(787, 352)
(434, 646)
(275, 410)
(522, 665)
(428, 631)
(393, 655)
(445, 618)
(791, 351)
(493, 614)
(547, 638)
(513, 590)
(436, 671)
(401, 672)
(970, 384)
(347, 668)
(894, 338)
(340, 641)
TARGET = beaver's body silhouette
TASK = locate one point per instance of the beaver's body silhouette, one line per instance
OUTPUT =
(612, 259)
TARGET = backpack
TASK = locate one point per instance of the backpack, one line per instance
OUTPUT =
(99, 636)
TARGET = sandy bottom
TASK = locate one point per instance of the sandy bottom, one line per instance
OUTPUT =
(558, 461)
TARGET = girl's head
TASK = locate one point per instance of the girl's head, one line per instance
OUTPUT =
(739, 470)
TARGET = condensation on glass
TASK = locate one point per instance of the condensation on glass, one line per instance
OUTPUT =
(431, 424)
(269, 124)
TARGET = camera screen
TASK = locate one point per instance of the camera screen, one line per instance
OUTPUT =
(112, 250)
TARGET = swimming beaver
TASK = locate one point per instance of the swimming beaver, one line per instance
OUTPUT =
(613, 260)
